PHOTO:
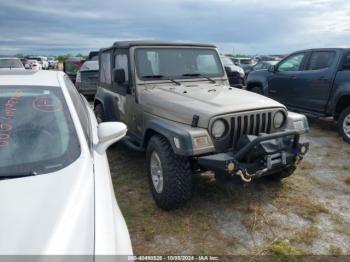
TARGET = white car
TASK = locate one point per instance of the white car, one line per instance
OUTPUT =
(53, 63)
(10, 63)
(33, 64)
(42, 60)
(56, 192)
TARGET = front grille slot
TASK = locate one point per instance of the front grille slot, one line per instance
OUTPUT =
(250, 124)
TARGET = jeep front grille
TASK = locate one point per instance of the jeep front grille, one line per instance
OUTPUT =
(244, 123)
(250, 124)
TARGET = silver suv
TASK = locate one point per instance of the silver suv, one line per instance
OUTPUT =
(180, 109)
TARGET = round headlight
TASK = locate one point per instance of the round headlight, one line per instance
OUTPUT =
(278, 119)
(218, 129)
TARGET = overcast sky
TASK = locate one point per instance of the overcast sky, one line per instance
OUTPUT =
(245, 26)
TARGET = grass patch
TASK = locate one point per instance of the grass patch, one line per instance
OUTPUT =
(334, 250)
(306, 235)
(306, 165)
(284, 251)
(343, 228)
(347, 180)
(254, 220)
(316, 133)
(301, 205)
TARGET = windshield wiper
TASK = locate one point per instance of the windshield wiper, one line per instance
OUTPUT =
(153, 76)
(4, 176)
(197, 74)
(162, 77)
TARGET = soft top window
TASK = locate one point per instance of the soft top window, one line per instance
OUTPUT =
(36, 131)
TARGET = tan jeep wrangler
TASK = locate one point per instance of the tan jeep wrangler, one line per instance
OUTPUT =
(180, 109)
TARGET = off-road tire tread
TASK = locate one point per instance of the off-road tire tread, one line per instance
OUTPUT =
(257, 90)
(177, 175)
(282, 174)
(343, 114)
(99, 108)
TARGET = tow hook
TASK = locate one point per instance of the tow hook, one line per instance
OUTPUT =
(302, 151)
(244, 176)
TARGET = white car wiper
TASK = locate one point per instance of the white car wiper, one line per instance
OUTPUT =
(197, 74)
(4, 176)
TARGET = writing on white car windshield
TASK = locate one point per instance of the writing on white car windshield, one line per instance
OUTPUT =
(37, 135)
(177, 63)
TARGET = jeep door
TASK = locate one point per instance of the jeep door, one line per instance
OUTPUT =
(283, 82)
(126, 103)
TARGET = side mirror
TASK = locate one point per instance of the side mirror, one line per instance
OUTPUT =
(119, 76)
(108, 133)
(272, 69)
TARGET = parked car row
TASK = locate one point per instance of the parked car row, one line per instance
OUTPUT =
(178, 106)
(39, 63)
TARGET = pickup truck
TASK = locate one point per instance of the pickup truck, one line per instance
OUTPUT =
(315, 82)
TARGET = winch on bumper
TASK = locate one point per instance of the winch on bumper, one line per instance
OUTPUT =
(257, 156)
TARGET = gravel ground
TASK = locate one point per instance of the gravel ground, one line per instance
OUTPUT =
(307, 213)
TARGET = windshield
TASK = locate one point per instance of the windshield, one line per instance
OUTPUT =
(177, 63)
(36, 58)
(71, 67)
(89, 65)
(227, 61)
(36, 131)
(246, 61)
(10, 63)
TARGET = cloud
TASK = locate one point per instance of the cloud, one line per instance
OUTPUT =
(247, 26)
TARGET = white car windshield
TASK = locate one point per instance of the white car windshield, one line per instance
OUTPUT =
(37, 135)
(158, 63)
(10, 63)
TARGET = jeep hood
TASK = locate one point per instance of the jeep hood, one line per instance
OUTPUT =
(49, 214)
(205, 99)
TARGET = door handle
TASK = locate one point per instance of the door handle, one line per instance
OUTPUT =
(293, 77)
(272, 91)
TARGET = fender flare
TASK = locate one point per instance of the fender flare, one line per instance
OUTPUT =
(107, 104)
(170, 131)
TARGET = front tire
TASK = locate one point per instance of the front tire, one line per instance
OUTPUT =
(257, 89)
(169, 175)
(281, 175)
(344, 124)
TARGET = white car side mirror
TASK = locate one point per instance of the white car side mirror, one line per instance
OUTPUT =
(109, 133)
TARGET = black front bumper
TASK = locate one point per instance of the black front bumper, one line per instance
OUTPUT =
(258, 156)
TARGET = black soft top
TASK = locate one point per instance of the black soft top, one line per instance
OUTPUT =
(128, 44)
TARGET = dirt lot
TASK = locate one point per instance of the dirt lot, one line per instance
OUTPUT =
(307, 213)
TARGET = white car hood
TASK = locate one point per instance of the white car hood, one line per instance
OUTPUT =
(49, 214)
